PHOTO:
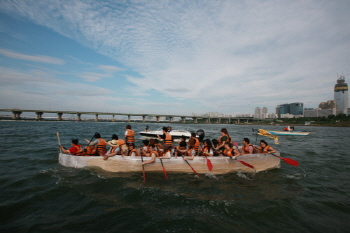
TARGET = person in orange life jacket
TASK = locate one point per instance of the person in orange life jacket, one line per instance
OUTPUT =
(75, 149)
(144, 149)
(191, 152)
(132, 151)
(153, 154)
(167, 138)
(113, 151)
(265, 148)
(225, 137)
(247, 148)
(196, 142)
(167, 152)
(100, 144)
(129, 135)
(181, 149)
(207, 148)
(231, 151)
(215, 144)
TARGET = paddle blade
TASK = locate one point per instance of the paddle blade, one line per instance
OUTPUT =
(291, 161)
(244, 163)
(166, 177)
(144, 175)
(235, 143)
(210, 166)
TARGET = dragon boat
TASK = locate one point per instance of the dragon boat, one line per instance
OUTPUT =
(221, 164)
(290, 133)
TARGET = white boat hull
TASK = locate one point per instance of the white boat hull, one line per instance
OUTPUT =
(289, 133)
(221, 165)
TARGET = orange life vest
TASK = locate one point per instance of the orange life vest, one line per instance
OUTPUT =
(80, 150)
(228, 139)
(246, 148)
(130, 137)
(196, 145)
(189, 152)
(156, 153)
(168, 139)
(261, 150)
(90, 151)
(229, 152)
(133, 150)
(120, 142)
(101, 146)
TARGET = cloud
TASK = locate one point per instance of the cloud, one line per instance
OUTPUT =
(36, 58)
(230, 56)
(109, 69)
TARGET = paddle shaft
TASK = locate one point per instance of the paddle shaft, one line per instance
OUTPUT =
(143, 169)
(59, 141)
(161, 160)
(190, 166)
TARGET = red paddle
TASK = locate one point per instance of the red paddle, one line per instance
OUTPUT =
(143, 169)
(288, 160)
(191, 166)
(166, 177)
(210, 166)
(242, 162)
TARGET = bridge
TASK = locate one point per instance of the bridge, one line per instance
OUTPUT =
(205, 119)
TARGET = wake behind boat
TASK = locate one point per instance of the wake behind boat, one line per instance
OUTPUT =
(221, 164)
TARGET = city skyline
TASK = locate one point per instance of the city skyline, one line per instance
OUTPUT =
(170, 57)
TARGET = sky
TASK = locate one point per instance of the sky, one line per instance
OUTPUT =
(171, 57)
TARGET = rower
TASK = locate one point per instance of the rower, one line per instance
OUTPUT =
(131, 150)
(144, 149)
(76, 149)
(247, 148)
(196, 142)
(231, 151)
(153, 154)
(114, 148)
(265, 148)
(129, 135)
(100, 144)
(181, 149)
(191, 152)
(215, 144)
(207, 148)
(225, 137)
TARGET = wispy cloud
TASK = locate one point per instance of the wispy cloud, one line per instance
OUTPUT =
(34, 58)
(245, 53)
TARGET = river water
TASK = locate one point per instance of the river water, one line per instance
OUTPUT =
(40, 195)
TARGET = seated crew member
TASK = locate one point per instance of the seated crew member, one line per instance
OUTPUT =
(207, 148)
(167, 152)
(183, 139)
(114, 150)
(231, 151)
(144, 149)
(215, 143)
(100, 144)
(225, 137)
(152, 153)
(132, 151)
(265, 148)
(169, 129)
(167, 138)
(191, 152)
(196, 142)
(76, 149)
(247, 148)
(181, 149)
(129, 135)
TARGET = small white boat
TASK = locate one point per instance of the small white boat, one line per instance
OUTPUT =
(176, 134)
(221, 165)
(289, 133)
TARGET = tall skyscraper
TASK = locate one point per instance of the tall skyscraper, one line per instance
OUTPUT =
(264, 113)
(257, 113)
(341, 94)
(297, 108)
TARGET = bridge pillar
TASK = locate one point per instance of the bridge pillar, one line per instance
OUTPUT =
(218, 121)
(16, 115)
(195, 120)
(96, 117)
(238, 121)
(59, 116)
(171, 119)
(39, 116)
(113, 118)
(143, 119)
(78, 116)
(129, 117)
(247, 120)
(229, 121)
(157, 118)
(183, 119)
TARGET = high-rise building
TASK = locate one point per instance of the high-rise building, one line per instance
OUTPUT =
(264, 113)
(296, 109)
(278, 111)
(330, 104)
(341, 94)
(257, 113)
(284, 109)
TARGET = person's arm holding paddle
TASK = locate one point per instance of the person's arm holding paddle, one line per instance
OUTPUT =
(153, 155)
